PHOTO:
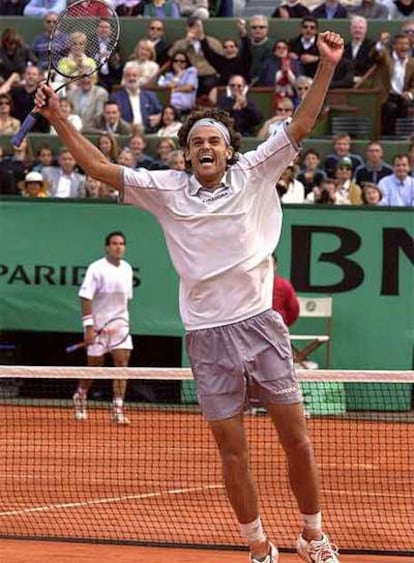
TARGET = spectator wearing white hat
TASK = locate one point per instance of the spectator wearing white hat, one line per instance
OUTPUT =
(34, 185)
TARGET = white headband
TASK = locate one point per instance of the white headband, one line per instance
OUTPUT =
(208, 121)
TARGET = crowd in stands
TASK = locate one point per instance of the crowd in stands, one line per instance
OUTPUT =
(124, 100)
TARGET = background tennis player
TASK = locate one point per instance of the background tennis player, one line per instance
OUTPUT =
(221, 226)
(104, 295)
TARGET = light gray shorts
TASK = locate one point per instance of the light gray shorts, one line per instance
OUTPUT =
(100, 348)
(249, 362)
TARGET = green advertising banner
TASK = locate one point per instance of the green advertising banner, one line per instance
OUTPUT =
(363, 257)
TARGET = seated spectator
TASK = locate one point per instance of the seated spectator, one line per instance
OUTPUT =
(290, 9)
(304, 46)
(371, 194)
(165, 147)
(370, 9)
(161, 9)
(12, 7)
(191, 45)
(402, 9)
(62, 180)
(40, 43)
(155, 34)
(176, 160)
(127, 158)
(95, 189)
(8, 125)
(398, 188)
(34, 185)
(374, 168)
(359, 49)
(144, 56)
(110, 121)
(76, 62)
(310, 174)
(20, 161)
(324, 194)
(44, 157)
(88, 100)
(66, 107)
(302, 86)
(138, 107)
(347, 192)
(329, 10)
(284, 111)
(240, 107)
(109, 73)
(342, 148)
(14, 54)
(182, 82)
(344, 75)
(169, 124)
(194, 8)
(408, 29)
(23, 99)
(108, 145)
(39, 8)
(138, 144)
(8, 184)
(280, 71)
(129, 8)
(223, 8)
(288, 188)
(261, 44)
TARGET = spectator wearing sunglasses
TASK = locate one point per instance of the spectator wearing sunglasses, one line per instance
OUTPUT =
(155, 33)
(41, 41)
(261, 43)
(304, 46)
(241, 108)
(182, 81)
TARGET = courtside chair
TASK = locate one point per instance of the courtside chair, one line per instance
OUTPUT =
(303, 345)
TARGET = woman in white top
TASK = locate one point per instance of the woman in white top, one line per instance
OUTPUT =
(67, 109)
(144, 55)
(169, 124)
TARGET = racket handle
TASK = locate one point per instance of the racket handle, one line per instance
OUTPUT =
(25, 127)
(75, 347)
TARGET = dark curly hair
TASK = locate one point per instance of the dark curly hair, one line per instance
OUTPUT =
(218, 115)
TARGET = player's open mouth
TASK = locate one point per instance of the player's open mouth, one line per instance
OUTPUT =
(206, 159)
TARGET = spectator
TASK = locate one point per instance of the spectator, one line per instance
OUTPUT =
(342, 148)
(347, 192)
(138, 107)
(7, 182)
(39, 8)
(95, 189)
(67, 110)
(374, 168)
(396, 77)
(290, 9)
(129, 8)
(329, 10)
(12, 7)
(371, 10)
(302, 86)
(261, 44)
(359, 48)
(44, 157)
(182, 82)
(408, 29)
(14, 54)
(402, 9)
(324, 194)
(34, 185)
(310, 174)
(155, 33)
(144, 57)
(194, 8)
(398, 188)
(76, 62)
(280, 71)
(222, 8)
(176, 160)
(138, 144)
(284, 111)
(237, 59)
(161, 9)
(191, 45)
(169, 124)
(41, 41)
(110, 121)
(109, 73)
(165, 147)
(289, 189)
(284, 300)
(303, 47)
(88, 100)
(62, 180)
(241, 108)
(108, 145)
(127, 158)
(371, 194)
(343, 76)
(20, 161)
(8, 125)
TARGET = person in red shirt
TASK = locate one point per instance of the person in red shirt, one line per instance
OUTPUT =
(285, 300)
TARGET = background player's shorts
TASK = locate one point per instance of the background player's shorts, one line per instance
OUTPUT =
(249, 362)
(101, 348)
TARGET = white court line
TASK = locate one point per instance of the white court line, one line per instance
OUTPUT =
(85, 503)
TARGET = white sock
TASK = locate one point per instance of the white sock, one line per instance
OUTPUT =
(253, 531)
(117, 403)
(313, 522)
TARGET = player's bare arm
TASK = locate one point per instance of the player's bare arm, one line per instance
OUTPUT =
(331, 48)
(85, 153)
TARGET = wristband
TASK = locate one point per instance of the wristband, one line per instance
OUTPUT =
(87, 320)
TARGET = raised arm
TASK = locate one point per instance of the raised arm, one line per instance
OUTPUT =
(84, 152)
(331, 48)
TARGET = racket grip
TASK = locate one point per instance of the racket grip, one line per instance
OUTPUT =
(25, 127)
(74, 347)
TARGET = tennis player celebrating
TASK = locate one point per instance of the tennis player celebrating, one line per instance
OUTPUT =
(221, 226)
(104, 295)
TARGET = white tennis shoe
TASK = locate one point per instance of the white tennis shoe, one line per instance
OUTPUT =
(119, 418)
(272, 557)
(79, 405)
(317, 551)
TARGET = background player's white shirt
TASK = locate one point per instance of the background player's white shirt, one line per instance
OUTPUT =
(109, 287)
(220, 242)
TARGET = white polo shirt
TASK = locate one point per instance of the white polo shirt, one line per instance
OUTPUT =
(108, 287)
(220, 242)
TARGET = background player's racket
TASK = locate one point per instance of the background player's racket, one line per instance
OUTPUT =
(110, 335)
(75, 49)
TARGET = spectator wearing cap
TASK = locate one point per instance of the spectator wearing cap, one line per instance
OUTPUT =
(34, 185)
(342, 148)
(398, 188)
(347, 192)
(371, 194)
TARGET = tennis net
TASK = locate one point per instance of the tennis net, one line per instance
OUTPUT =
(158, 481)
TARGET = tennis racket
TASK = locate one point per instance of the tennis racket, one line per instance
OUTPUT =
(110, 335)
(76, 48)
